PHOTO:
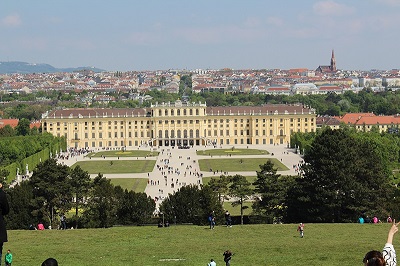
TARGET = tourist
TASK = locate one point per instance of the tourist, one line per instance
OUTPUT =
(50, 262)
(4, 209)
(227, 257)
(388, 255)
(212, 263)
(300, 229)
(228, 219)
(8, 258)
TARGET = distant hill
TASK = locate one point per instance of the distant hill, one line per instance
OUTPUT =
(26, 68)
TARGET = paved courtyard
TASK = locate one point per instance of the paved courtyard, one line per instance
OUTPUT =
(175, 167)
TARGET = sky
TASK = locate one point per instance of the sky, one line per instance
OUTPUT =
(123, 35)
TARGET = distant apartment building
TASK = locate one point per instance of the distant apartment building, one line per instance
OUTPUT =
(179, 124)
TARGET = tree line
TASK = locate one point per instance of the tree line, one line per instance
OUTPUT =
(366, 101)
(55, 189)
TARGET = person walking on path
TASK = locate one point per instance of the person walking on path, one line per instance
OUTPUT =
(4, 209)
(300, 229)
(8, 258)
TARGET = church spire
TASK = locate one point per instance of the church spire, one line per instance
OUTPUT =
(333, 61)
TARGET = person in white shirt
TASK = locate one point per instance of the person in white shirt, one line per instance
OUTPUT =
(212, 263)
(388, 256)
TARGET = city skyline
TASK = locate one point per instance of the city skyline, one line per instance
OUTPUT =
(151, 35)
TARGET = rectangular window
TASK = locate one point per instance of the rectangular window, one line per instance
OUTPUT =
(100, 135)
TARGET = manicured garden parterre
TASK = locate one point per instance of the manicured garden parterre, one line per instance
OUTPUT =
(116, 166)
(238, 164)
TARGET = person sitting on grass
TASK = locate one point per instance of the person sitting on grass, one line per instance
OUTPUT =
(388, 256)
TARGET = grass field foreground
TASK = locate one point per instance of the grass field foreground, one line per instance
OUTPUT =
(323, 244)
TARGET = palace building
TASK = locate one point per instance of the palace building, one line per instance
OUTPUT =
(179, 124)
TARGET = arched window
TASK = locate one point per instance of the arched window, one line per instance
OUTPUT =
(159, 113)
(197, 133)
(197, 111)
(172, 112)
(191, 133)
(281, 132)
(178, 112)
(184, 111)
(185, 133)
(166, 112)
(190, 111)
(179, 133)
(172, 133)
(166, 133)
(160, 133)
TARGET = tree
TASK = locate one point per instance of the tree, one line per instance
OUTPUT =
(100, 209)
(272, 191)
(190, 204)
(220, 186)
(135, 208)
(51, 189)
(343, 177)
(7, 131)
(240, 189)
(20, 197)
(80, 185)
(23, 127)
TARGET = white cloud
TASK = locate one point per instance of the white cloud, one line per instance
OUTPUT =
(11, 20)
(331, 8)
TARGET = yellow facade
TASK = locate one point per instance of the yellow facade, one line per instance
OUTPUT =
(179, 124)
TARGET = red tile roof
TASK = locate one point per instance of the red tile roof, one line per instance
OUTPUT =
(12, 122)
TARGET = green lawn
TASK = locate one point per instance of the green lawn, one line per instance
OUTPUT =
(228, 152)
(235, 211)
(119, 153)
(265, 245)
(207, 179)
(116, 166)
(135, 184)
(238, 164)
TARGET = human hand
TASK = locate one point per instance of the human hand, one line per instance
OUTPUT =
(393, 230)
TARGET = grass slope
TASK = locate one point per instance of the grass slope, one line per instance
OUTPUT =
(323, 244)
